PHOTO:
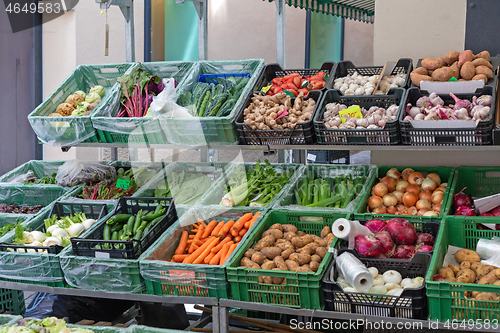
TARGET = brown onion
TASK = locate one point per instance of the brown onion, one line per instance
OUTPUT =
(393, 173)
(380, 189)
(379, 210)
(401, 208)
(431, 213)
(440, 188)
(428, 184)
(411, 211)
(427, 195)
(374, 201)
(398, 195)
(415, 178)
(390, 200)
(401, 185)
(421, 204)
(410, 199)
(436, 207)
(422, 211)
(392, 210)
(390, 182)
(406, 173)
(413, 188)
(437, 197)
(435, 177)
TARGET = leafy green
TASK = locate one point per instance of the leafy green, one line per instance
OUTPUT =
(44, 180)
(184, 187)
(7, 228)
(19, 234)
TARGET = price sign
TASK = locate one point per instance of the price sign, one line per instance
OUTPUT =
(123, 183)
(266, 88)
(352, 112)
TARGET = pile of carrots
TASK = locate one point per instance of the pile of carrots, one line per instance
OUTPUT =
(212, 243)
(294, 83)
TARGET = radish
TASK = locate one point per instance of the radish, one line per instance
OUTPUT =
(376, 225)
(402, 231)
(404, 252)
(368, 246)
(385, 238)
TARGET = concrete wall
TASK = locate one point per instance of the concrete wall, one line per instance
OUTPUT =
(358, 42)
(418, 29)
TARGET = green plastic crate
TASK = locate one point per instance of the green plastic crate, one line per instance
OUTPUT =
(330, 172)
(477, 181)
(67, 131)
(447, 175)
(447, 300)
(136, 130)
(219, 189)
(200, 130)
(164, 278)
(10, 320)
(147, 329)
(100, 329)
(39, 168)
(301, 290)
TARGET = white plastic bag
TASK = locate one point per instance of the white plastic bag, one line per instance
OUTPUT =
(165, 103)
(75, 172)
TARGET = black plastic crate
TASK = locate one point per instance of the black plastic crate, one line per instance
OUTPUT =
(389, 135)
(480, 136)
(272, 71)
(130, 249)
(91, 210)
(412, 304)
(328, 156)
(302, 134)
(344, 68)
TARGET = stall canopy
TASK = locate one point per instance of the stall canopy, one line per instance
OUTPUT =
(360, 10)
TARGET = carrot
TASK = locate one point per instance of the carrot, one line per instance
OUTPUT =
(196, 226)
(201, 223)
(206, 251)
(216, 230)
(233, 232)
(215, 260)
(242, 232)
(225, 229)
(209, 257)
(252, 221)
(231, 249)
(196, 237)
(221, 244)
(237, 238)
(191, 236)
(182, 244)
(179, 257)
(195, 254)
(223, 252)
(194, 246)
(241, 221)
(190, 241)
(208, 230)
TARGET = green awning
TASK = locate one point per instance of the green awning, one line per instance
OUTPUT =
(360, 10)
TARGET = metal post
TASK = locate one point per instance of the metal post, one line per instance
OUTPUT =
(280, 32)
(307, 58)
(147, 30)
(223, 314)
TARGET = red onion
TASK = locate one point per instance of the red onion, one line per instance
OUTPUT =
(465, 211)
(495, 211)
(438, 277)
(385, 238)
(486, 214)
(368, 246)
(404, 252)
(425, 248)
(376, 225)
(425, 239)
(461, 199)
(402, 231)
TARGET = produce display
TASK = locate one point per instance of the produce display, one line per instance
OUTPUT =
(185, 187)
(46, 325)
(373, 118)
(432, 107)
(255, 187)
(407, 193)
(464, 205)
(396, 238)
(15, 209)
(389, 283)
(283, 247)
(213, 100)
(278, 112)
(357, 84)
(296, 84)
(75, 172)
(330, 192)
(32, 180)
(212, 243)
(79, 103)
(462, 66)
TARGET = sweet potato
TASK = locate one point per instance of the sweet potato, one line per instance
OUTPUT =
(466, 275)
(276, 233)
(464, 57)
(417, 78)
(286, 253)
(456, 71)
(321, 251)
(300, 258)
(484, 55)
(465, 265)
(247, 263)
(466, 255)
(268, 265)
(421, 71)
(249, 253)
(314, 265)
(484, 70)
(482, 62)
(454, 268)
(280, 263)
(325, 231)
(446, 272)
(276, 226)
(479, 77)
(292, 265)
(301, 241)
(289, 228)
(258, 258)
(431, 64)
(451, 57)
(467, 71)
(442, 62)
(442, 74)
(264, 242)
(271, 252)
(316, 258)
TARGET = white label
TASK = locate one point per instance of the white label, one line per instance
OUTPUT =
(311, 157)
(102, 255)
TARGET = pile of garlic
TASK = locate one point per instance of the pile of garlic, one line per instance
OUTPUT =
(373, 118)
(356, 84)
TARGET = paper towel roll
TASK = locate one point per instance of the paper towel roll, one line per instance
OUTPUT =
(488, 248)
(354, 271)
(343, 228)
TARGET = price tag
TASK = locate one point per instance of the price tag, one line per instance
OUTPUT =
(103, 255)
(265, 89)
(284, 113)
(123, 183)
(311, 157)
(352, 112)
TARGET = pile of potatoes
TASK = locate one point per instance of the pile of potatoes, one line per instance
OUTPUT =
(471, 270)
(464, 66)
(284, 248)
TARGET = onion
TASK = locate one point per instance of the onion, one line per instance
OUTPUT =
(411, 211)
(373, 271)
(465, 211)
(398, 195)
(377, 290)
(406, 173)
(437, 197)
(404, 252)
(495, 211)
(436, 207)
(378, 281)
(422, 203)
(405, 282)
(392, 276)
(393, 173)
(401, 208)
(425, 239)
(440, 188)
(461, 199)
(428, 184)
(413, 188)
(390, 200)
(435, 177)
(380, 189)
(431, 213)
(385, 238)
(401, 231)
(390, 286)
(374, 201)
(376, 225)
(401, 185)
(419, 280)
(415, 178)
(410, 199)
(368, 246)
(379, 210)
(395, 292)
(391, 210)
(426, 195)
(438, 277)
(422, 211)
(390, 182)
(425, 248)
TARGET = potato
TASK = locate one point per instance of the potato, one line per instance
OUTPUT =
(442, 62)
(309, 248)
(277, 279)
(421, 71)
(247, 263)
(488, 279)
(292, 265)
(486, 297)
(325, 231)
(467, 71)
(258, 258)
(271, 252)
(304, 269)
(466, 255)
(330, 238)
(260, 279)
(450, 279)
(316, 258)
(446, 272)
(322, 243)
(276, 226)
(456, 71)
(464, 57)
(276, 233)
(496, 272)
(431, 64)
(442, 74)
(284, 246)
(301, 241)
(289, 235)
(417, 78)
(249, 253)
(497, 283)
(300, 258)
(264, 242)
(480, 77)
(454, 268)
(483, 271)
(267, 280)
(466, 275)
(465, 264)
(451, 57)
(286, 253)
(280, 263)
(300, 233)
(289, 228)
(268, 265)
(484, 55)
(485, 71)
(314, 265)
(482, 62)
(321, 251)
